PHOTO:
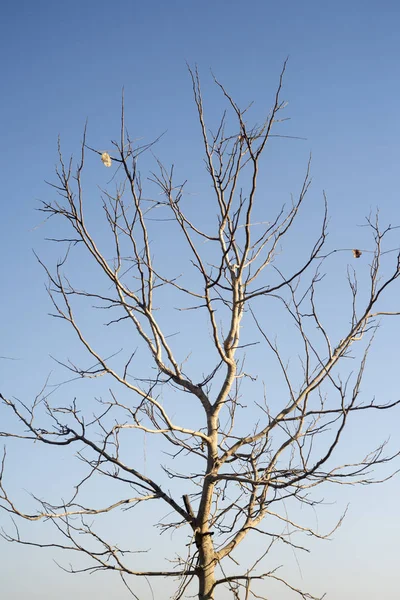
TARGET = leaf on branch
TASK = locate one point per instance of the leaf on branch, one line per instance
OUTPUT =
(106, 159)
(356, 253)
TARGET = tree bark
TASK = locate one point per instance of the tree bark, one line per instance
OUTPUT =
(206, 567)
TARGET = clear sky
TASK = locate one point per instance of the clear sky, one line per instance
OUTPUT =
(65, 62)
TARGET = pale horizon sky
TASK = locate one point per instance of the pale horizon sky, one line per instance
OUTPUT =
(64, 63)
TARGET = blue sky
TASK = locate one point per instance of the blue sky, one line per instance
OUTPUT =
(64, 63)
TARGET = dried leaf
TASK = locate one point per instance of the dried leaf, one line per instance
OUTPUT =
(356, 253)
(106, 159)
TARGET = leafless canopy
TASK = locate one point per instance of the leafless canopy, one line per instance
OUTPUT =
(228, 470)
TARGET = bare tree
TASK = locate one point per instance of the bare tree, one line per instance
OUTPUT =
(234, 455)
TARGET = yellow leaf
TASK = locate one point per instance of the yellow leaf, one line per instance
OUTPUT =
(106, 159)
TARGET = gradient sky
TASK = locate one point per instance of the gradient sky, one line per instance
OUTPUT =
(65, 62)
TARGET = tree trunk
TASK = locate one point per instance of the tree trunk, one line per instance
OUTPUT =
(206, 567)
